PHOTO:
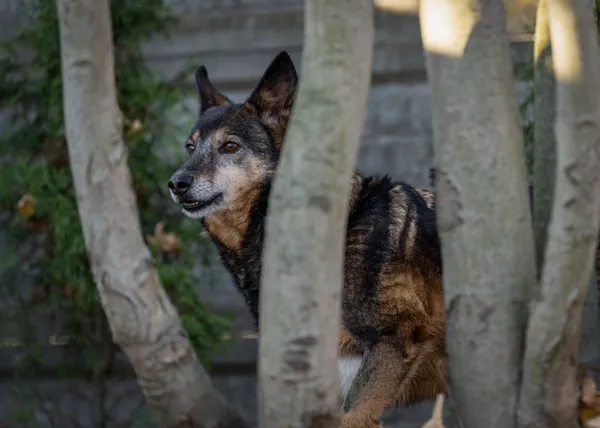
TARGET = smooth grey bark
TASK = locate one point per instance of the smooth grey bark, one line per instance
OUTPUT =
(544, 145)
(484, 215)
(143, 321)
(590, 345)
(544, 173)
(550, 390)
(306, 224)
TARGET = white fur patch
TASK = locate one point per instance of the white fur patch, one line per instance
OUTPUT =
(196, 214)
(348, 367)
(204, 212)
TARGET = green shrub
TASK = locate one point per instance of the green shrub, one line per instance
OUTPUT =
(43, 244)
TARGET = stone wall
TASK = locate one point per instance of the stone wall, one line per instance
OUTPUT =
(236, 40)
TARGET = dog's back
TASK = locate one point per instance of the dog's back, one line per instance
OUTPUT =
(392, 332)
(392, 302)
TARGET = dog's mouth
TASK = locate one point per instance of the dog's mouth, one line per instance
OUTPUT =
(192, 206)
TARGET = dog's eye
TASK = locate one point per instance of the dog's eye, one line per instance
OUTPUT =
(231, 147)
(189, 148)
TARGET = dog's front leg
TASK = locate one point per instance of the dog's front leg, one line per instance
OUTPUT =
(373, 388)
(391, 374)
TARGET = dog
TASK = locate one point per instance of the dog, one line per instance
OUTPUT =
(392, 323)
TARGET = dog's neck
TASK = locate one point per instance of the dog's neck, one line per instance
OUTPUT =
(230, 225)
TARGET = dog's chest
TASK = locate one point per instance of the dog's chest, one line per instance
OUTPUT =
(244, 268)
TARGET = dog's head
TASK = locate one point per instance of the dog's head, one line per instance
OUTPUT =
(233, 148)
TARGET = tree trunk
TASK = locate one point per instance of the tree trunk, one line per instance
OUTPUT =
(306, 226)
(544, 175)
(544, 148)
(590, 333)
(484, 215)
(142, 319)
(550, 390)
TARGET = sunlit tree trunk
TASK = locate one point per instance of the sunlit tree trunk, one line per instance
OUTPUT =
(544, 172)
(306, 225)
(550, 391)
(142, 319)
(484, 215)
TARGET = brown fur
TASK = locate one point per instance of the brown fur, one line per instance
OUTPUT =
(392, 300)
(407, 364)
(230, 226)
(195, 137)
(274, 114)
(348, 345)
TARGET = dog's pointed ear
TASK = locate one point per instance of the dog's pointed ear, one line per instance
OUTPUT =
(273, 97)
(209, 96)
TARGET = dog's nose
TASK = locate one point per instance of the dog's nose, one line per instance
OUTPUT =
(179, 184)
